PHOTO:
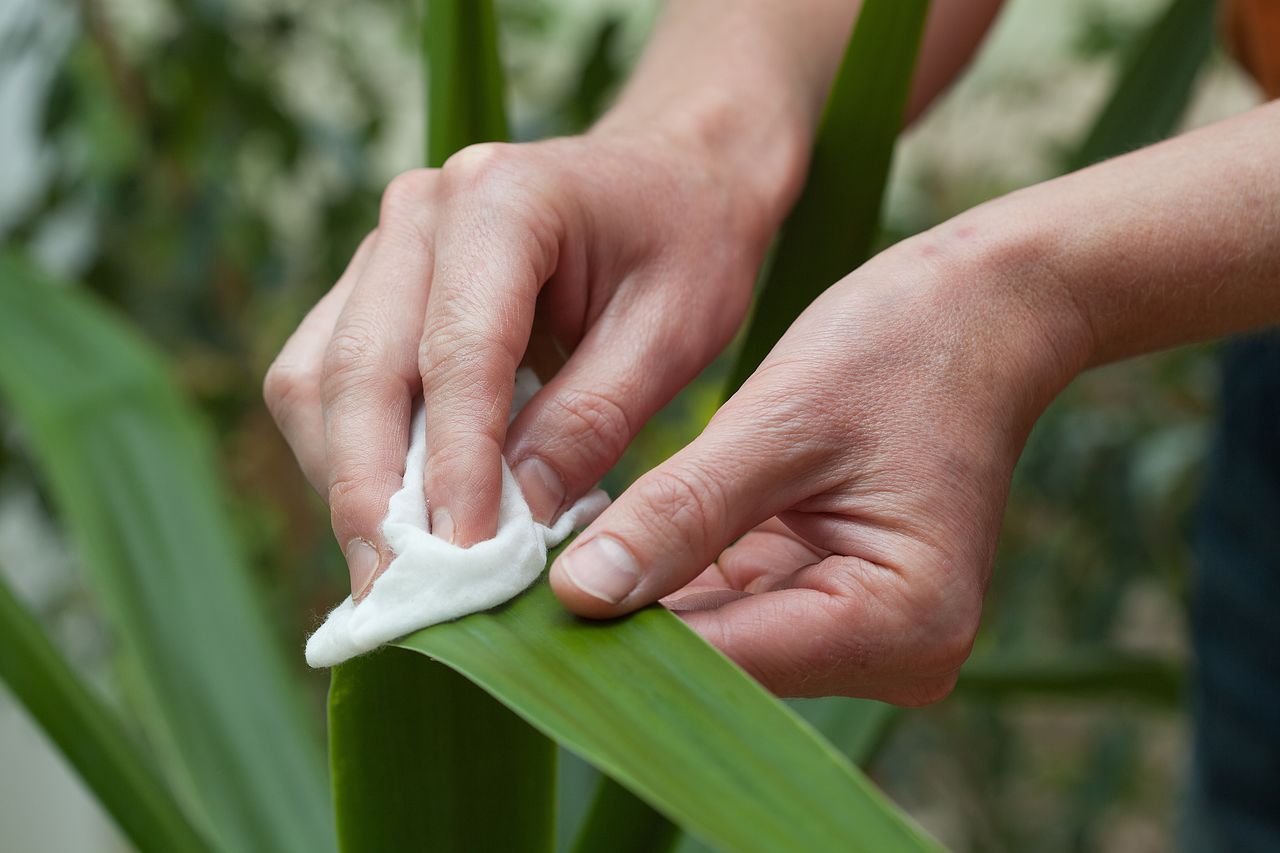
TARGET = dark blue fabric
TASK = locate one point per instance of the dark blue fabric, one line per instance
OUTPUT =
(1235, 610)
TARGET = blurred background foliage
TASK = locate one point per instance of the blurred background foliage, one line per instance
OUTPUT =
(208, 166)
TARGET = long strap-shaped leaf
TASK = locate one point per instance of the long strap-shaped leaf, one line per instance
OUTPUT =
(1154, 84)
(652, 705)
(420, 758)
(1079, 675)
(465, 91)
(620, 822)
(832, 228)
(856, 727)
(131, 471)
(830, 231)
(88, 735)
(662, 712)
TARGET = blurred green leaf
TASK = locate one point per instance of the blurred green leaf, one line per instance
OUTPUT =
(832, 228)
(596, 79)
(652, 705)
(465, 92)
(87, 733)
(1154, 84)
(857, 727)
(132, 472)
(620, 822)
(421, 759)
(1083, 675)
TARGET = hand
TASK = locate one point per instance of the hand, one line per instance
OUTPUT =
(865, 467)
(636, 255)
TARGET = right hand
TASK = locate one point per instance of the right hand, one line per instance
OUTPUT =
(636, 255)
(833, 528)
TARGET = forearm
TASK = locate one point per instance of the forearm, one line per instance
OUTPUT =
(741, 82)
(744, 82)
(1175, 243)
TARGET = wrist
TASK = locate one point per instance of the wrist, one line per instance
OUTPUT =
(760, 164)
(997, 266)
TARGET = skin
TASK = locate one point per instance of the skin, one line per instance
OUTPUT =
(633, 247)
(833, 528)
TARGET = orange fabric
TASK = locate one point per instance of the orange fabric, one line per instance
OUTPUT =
(1252, 29)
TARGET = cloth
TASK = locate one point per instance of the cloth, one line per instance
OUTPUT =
(431, 580)
(1235, 802)
(1252, 31)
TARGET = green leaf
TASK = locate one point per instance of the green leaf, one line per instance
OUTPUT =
(132, 472)
(421, 759)
(832, 228)
(89, 736)
(652, 705)
(1080, 674)
(643, 698)
(1154, 85)
(831, 231)
(621, 822)
(465, 92)
(857, 727)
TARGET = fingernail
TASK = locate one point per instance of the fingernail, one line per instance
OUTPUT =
(442, 524)
(362, 561)
(542, 487)
(602, 568)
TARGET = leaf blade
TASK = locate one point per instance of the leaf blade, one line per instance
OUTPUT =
(465, 88)
(1076, 674)
(1154, 85)
(89, 737)
(621, 822)
(832, 228)
(131, 470)
(586, 684)
(392, 715)
(421, 759)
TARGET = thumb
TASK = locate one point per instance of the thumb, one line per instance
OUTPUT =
(674, 521)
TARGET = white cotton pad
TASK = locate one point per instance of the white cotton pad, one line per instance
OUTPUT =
(430, 580)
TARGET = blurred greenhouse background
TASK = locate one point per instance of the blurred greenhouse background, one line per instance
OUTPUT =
(209, 165)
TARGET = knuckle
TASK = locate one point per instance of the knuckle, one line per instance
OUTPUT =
(286, 387)
(683, 500)
(345, 498)
(941, 618)
(407, 195)
(951, 640)
(453, 457)
(788, 414)
(342, 486)
(478, 167)
(596, 424)
(350, 353)
(461, 361)
(357, 495)
(443, 356)
(927, 692)
(458, 328)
